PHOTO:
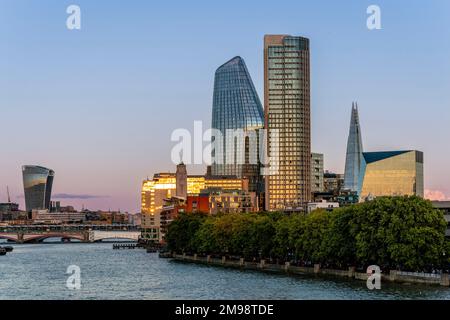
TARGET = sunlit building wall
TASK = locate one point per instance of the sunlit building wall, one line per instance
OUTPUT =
(163, 186)
(394, 173)
(287, 120)
(216, 200)
(232, 202)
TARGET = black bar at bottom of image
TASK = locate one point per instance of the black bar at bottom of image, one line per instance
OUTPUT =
(223, 309)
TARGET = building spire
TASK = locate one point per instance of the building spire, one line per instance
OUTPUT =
(354, 155)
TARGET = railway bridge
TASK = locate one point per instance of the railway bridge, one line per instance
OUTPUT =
(83, 233)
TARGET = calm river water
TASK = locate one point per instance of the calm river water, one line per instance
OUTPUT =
(38, 271)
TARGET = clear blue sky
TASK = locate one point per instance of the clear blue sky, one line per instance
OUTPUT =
(98, 105)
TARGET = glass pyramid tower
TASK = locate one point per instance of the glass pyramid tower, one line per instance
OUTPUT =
(354, 158)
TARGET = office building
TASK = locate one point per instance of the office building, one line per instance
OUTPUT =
(392, 173)
(46, 217)
(10, 211)
(134, 219)
(354, 157)
(444, 206)
(172, 207)
(287, 121)
(8, 207)
(198, 203)
(37, 182)
(333, 182)
(236, 106)
(216, 200)
(55, 206)
(317, 174)
(324, 205)
(164, 186)
(236, 201)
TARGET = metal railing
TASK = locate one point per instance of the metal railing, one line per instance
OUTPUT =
(419, 274)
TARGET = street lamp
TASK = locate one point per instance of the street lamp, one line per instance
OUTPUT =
(443, 261)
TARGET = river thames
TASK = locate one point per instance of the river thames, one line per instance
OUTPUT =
(38, 271)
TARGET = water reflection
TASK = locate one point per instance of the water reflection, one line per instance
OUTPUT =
(38, 271)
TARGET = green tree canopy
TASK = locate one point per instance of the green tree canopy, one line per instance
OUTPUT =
(392, 232)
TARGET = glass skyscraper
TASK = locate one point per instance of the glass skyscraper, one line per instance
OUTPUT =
(37, 183)
(354, 157)
(236, 106)
(287, 116)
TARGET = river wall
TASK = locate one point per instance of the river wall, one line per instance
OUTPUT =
(287, 268)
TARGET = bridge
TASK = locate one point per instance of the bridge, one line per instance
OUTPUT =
(83, 233)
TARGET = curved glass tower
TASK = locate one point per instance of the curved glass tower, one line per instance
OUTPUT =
(236, 109)
(354, 158)
(37, 183)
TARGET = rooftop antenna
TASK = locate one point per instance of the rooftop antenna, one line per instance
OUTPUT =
(9, 197)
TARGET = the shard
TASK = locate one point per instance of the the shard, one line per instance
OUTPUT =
(354, 158)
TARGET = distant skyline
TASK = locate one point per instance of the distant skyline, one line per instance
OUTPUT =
(98, 105)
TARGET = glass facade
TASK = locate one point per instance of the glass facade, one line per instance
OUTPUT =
(37, 182)
(236, 106)
(393, 173)
(287, 116)
(163, 186)
(354, 157)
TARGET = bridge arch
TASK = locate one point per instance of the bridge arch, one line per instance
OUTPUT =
(9, 237)
(105, 235)
(42, 237)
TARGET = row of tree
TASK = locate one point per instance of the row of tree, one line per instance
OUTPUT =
(404, 233)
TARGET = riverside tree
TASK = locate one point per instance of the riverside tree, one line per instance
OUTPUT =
(393, 232)
(399, 232)
(181, 233)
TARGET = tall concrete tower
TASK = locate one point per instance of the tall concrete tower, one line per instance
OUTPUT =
(181, 181)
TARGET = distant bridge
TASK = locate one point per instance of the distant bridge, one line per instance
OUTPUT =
(83, 233)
